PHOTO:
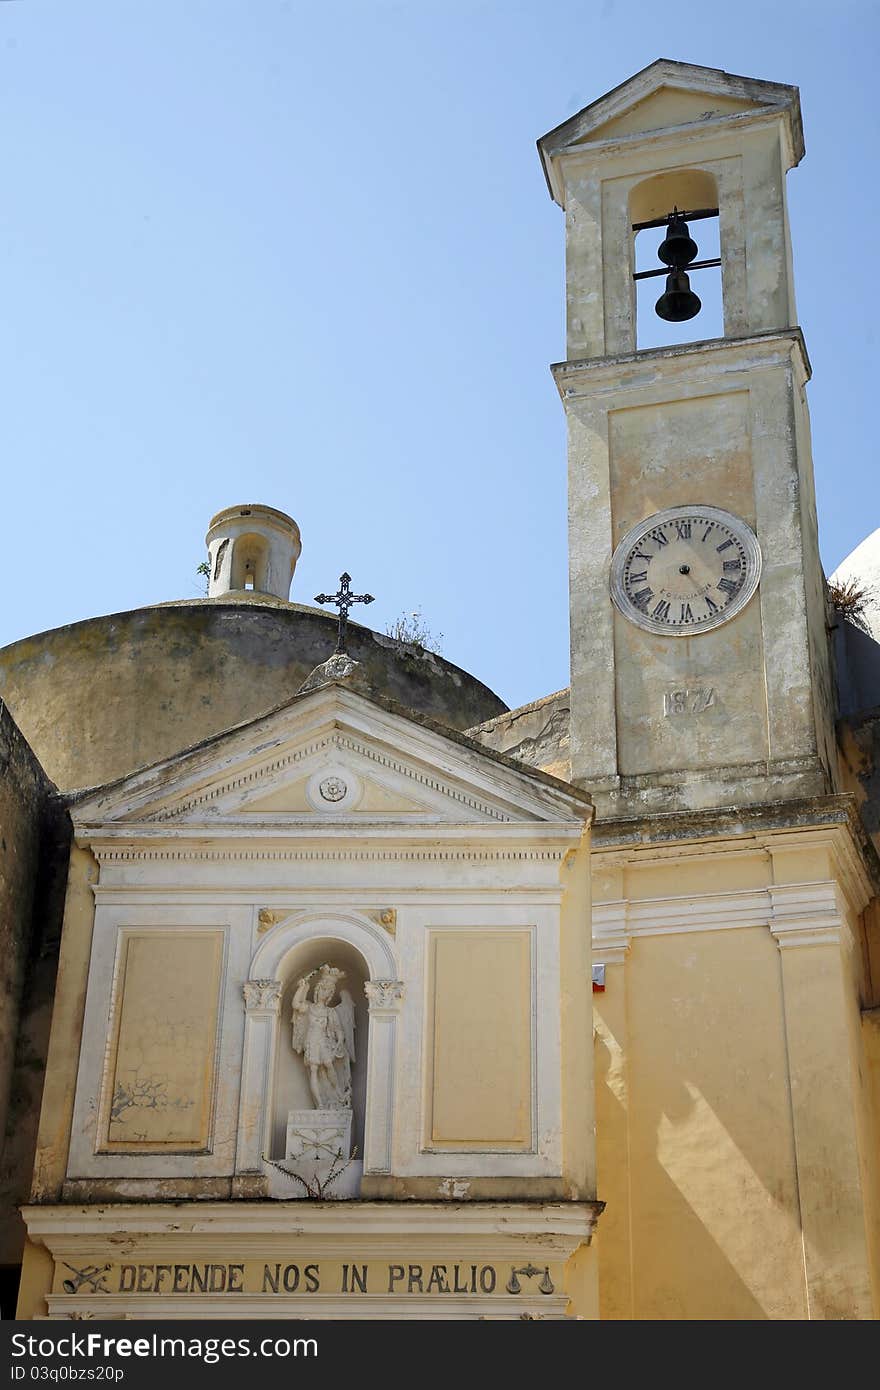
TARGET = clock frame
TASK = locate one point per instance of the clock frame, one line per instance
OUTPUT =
(685, 570)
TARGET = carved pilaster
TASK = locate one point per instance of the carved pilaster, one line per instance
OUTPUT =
(384, 998)
(262, 996)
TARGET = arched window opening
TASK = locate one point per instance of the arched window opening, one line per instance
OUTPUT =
(250, 563)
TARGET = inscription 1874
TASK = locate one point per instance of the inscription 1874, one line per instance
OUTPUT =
(692, 701)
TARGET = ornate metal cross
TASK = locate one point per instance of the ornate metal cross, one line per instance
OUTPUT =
(343, 600)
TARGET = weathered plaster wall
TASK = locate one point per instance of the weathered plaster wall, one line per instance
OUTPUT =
(537, 734)
(34, 835)
(99, 698)
(653, 430)
(820, 617)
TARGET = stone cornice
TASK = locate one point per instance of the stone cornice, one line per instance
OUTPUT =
(130, 854)
(797, 914)
(577, 158)
(561, 1226)
(704, 363)
(626, 835)
(731, 829)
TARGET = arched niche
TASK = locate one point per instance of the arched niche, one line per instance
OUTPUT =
(351, 941)
(290, 1087)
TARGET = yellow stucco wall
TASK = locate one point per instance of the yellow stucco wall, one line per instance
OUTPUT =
(736, 1146)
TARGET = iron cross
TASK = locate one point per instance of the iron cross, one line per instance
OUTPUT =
(343, 600)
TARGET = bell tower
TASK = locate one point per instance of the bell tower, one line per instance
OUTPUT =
(700, 667)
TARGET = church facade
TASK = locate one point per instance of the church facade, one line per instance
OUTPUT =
(377, 999)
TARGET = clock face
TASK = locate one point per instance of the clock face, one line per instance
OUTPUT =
(685, 570)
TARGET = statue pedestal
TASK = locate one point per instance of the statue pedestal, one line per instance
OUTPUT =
(317, 1136)
(314, 1140)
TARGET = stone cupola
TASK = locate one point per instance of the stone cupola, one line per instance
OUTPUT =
(252, 547)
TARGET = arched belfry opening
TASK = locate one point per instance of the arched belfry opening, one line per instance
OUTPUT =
(677, 264)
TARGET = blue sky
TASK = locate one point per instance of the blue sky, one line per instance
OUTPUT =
(259, 250)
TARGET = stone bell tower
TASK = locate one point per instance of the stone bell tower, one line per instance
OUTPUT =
(700, 667)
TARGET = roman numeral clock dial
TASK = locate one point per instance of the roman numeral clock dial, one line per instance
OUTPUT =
(685, 570)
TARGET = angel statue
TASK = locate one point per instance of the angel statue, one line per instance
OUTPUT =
(325, 1037)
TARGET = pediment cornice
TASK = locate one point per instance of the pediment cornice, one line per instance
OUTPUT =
(417, 774)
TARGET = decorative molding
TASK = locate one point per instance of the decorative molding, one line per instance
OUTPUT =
(384, 995)
(560, 1226)
(128, 853)
(847, 850)
(335, 742)
(797, 914)
(611, 936)
(828, 822)
(806, 914)
(367, 1307)
(333, 789)
(336, 923)
(262, 996)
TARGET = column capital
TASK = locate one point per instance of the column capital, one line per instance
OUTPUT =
(262, 996)
(611, 932)
(384, 996)
(806, 914)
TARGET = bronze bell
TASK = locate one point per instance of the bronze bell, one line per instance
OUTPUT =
(679, 301)
(678, 248)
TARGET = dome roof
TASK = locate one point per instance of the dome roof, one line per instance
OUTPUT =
(99, 698)
(862, 566)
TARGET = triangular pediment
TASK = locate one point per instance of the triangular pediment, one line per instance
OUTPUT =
(666, 108)
(332, 757)
(667, 96)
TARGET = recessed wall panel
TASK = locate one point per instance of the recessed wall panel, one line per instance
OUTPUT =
(160, 1071)
(479, 1022)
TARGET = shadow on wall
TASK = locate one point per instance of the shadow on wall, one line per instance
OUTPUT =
(694, 1148)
